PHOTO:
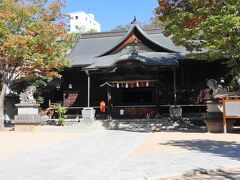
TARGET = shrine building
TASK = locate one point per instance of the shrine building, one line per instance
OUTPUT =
(137, 74)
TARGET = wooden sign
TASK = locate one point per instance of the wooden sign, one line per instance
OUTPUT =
(231, 109)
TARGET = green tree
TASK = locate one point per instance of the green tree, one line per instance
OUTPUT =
(154, 23)
(33, 40)
(61, 113)
(151, 24)
(212, 25)
(91, 31)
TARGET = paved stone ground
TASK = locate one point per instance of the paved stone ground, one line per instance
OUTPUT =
(173, 164)
(94, 156)
(108, 155)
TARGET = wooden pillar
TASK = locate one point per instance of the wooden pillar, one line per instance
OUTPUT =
(89, 88)
(224, 116)
(109, 102)
(183, 80)
(174, 86)
(157, 97)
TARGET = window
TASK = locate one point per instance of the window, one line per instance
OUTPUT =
(76, 17)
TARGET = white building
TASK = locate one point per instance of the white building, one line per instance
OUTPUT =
(82, 22)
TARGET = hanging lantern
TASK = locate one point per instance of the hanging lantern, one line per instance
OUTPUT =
(126, 85)
(137, 84)
(117, 85)
(147, 83)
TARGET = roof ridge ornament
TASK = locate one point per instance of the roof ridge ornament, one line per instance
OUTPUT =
(134, 20)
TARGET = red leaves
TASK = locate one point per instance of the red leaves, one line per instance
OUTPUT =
(5, 15)
(30, 33)
(192, 23)
(163, 4)
(9, 43)
(49, 74)
(163, 7)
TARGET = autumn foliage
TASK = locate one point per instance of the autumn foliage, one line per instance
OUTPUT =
(33, 40)
(212, 25)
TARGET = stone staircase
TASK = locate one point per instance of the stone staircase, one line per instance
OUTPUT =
(151, 125)
(139, 125)
(93, 125)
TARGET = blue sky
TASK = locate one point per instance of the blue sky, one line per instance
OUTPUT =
(111, 13)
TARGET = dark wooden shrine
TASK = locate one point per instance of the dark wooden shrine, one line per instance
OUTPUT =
(139, 74)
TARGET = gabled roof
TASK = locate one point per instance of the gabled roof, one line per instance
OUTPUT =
(98, 50)
(136, 33)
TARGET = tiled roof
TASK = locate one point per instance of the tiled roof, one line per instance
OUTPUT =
(91, 46)
(149, 59)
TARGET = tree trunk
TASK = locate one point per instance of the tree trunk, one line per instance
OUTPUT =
(2, 98)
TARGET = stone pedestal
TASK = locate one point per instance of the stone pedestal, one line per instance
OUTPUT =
(27, 118)
(215, 107)
(88, 115)
(216, 125)
(214, 119)
(175, 112)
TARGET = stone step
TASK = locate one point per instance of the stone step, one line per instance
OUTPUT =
(149, 126)
(91, 125)
(127, 125)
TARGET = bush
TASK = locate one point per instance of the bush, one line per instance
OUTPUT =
(61, 111)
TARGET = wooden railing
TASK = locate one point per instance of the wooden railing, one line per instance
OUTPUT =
(138, 111)
(130, 112)
(150, 111)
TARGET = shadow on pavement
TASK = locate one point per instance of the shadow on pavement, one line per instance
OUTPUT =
(229, 149)
(218, 174)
